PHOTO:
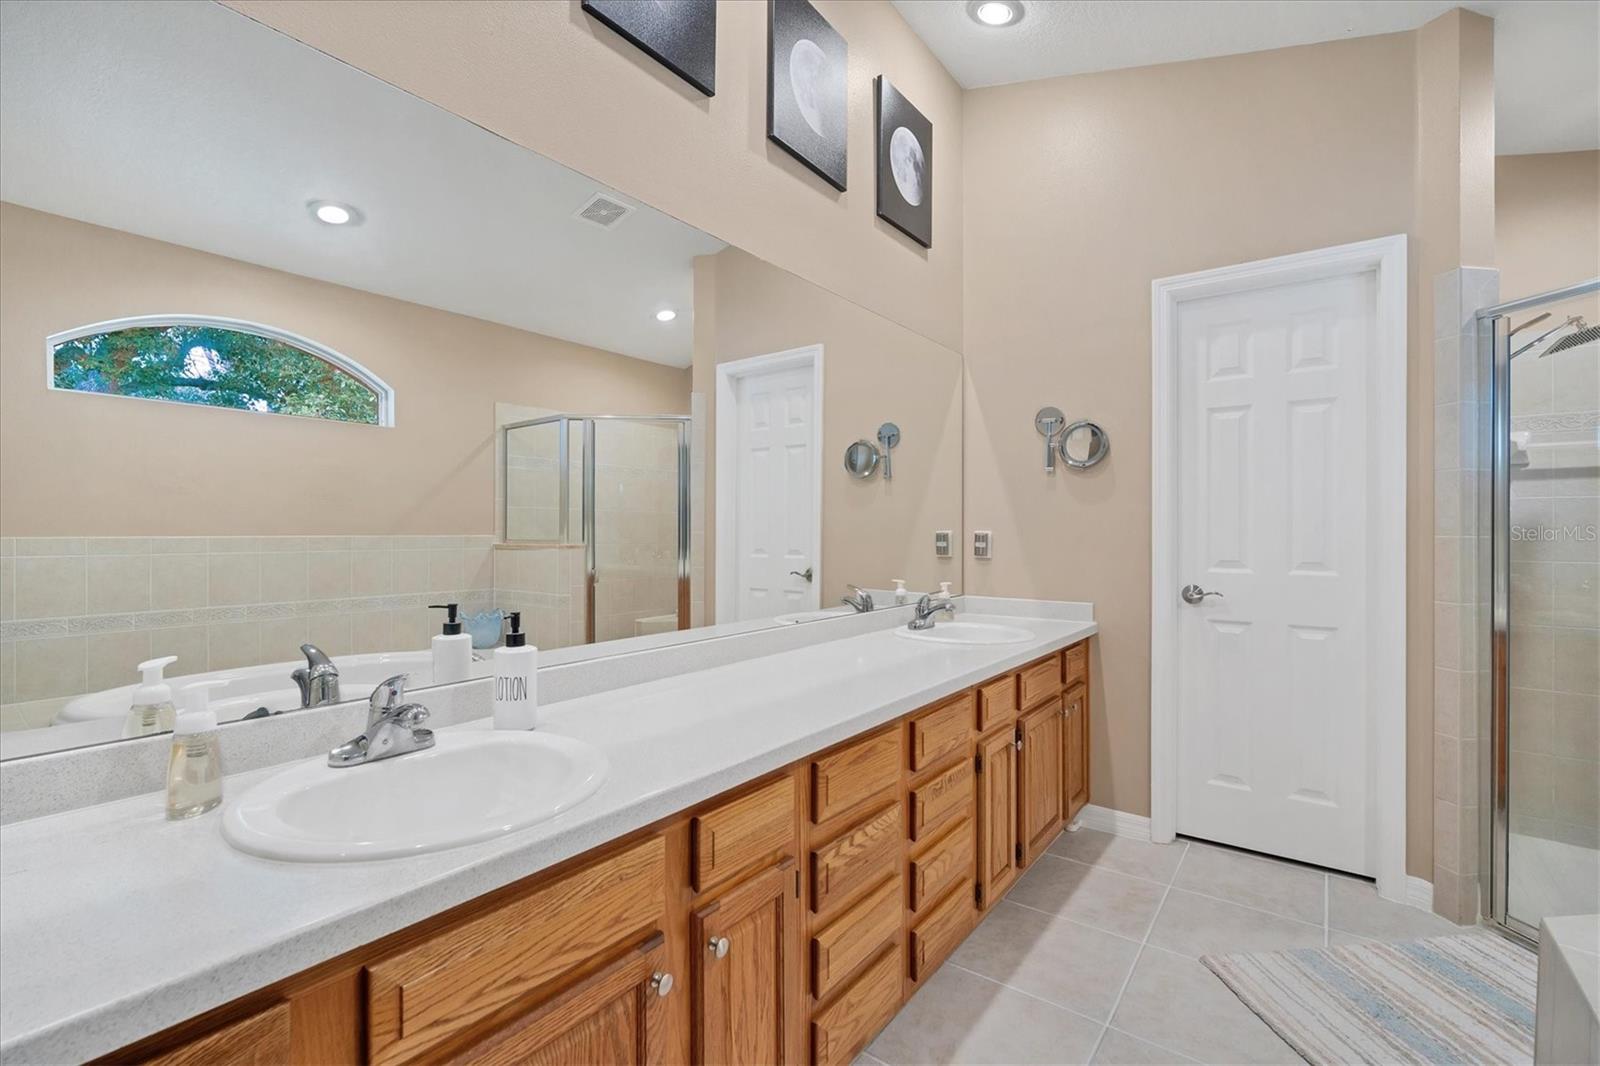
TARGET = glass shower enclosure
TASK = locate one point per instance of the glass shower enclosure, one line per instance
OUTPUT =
(595, 509)
(1542, 764)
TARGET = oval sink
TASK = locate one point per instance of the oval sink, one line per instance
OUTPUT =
(968, 633)
(468, 787)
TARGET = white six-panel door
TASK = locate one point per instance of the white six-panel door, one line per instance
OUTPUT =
(1272, 459)
(775, 497)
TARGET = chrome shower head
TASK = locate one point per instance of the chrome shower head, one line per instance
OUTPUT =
(1581, 334)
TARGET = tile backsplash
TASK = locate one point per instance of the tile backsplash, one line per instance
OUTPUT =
(77, 613)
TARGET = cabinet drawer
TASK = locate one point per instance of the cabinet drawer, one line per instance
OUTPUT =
(446, 984)
(855, 937)
(733, 837)
(997, 702)
(1041, 680)
(856, 857)
(1075, 662)
(937, 935)
(842, 1029)
(259, 1040)
(855, 774)
(941, 800)
(941, 732)
(949, 860)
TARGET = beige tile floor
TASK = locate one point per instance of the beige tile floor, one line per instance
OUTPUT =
(1094, 957)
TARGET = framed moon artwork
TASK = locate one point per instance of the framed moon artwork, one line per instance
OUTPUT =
(806, 88)
(680, 34)
(905, 165)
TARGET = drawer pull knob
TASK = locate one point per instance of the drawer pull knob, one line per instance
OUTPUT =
(719, 946)
(661, 982)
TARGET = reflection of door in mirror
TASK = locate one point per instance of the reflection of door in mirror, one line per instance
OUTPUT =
(767, 503)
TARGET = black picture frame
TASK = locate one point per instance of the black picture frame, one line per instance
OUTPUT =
(905, 163)
(808, 105)
(681, 35)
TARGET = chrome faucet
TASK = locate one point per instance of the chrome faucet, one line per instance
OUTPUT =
(393, 728)
(859, 598)
(926, 608)
(318, 679)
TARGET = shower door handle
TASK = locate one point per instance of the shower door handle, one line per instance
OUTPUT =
(804, 574)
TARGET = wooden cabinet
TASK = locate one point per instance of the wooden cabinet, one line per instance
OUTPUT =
(1075, 750)
(747, 973)
(787, 919)
(262, 1039)
(998, 852)
(616, 1015)
(1039, 789)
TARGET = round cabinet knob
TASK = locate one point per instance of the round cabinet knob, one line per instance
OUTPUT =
(719, 946)
(661, 982)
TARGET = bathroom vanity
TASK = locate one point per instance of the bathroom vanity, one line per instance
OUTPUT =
(782, 920)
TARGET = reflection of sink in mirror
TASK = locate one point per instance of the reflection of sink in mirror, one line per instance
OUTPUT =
(468, 787)
(249, 688)
(968, 633)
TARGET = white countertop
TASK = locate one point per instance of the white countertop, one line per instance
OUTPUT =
(115, 924)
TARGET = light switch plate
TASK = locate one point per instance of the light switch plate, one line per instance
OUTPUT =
(982, 544)
(942, 541)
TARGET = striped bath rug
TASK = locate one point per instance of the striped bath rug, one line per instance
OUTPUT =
(1448, 999)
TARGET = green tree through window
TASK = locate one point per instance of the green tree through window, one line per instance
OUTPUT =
(214, 365)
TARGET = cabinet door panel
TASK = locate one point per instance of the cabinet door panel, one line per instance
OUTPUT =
(1075, 748)
(747, 994)
(1039, 778)
(997, 815)
(941, 732)
(613, 1017)
(941, 799)
(741, 834)
(842, 1028)
(856, 857)
(853, 775)
(259, 1040)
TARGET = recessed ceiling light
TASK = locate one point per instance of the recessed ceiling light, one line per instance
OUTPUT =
(666, 316)
(326, 211)
(995, 12)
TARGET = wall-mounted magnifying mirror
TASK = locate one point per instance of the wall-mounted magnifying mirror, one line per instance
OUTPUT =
(861, 459)
(1083, 444)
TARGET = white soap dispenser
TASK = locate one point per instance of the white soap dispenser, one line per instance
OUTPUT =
(152, 710)
(516, 693)
(900, 593)
(452, 648)
(944, 589)
(194, 773)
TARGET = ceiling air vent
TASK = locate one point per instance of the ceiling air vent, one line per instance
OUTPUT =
(603, 211)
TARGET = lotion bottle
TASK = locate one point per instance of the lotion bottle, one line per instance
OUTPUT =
(194, 773)
(152, 710)
(452, 648)
(516, 695)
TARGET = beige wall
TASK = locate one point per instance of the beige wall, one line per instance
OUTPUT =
(549, 77)
(125, 467)
(1547, 221)
(873, 372)
(1134, 175)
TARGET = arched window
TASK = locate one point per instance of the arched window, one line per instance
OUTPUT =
(217, 362)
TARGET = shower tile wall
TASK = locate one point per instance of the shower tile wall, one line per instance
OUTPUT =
(1460, 417)
(1555, 597)
(77, 614)
(545, 583)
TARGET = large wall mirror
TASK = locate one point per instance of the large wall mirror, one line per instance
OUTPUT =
(288, 356)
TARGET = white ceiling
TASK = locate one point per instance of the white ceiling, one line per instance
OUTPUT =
(188, 123)
(1547, 52)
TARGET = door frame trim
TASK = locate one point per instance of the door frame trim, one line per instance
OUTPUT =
(727, 441)
(1386, 578)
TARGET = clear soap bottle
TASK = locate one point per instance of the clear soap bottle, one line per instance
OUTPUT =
(152, 710)
(194, 773)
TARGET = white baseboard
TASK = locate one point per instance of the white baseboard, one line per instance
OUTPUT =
(1117, 823)
(1419, 893)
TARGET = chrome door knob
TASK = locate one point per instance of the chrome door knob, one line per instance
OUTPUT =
(661, 983)
(1195, 594)
(719, 946)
